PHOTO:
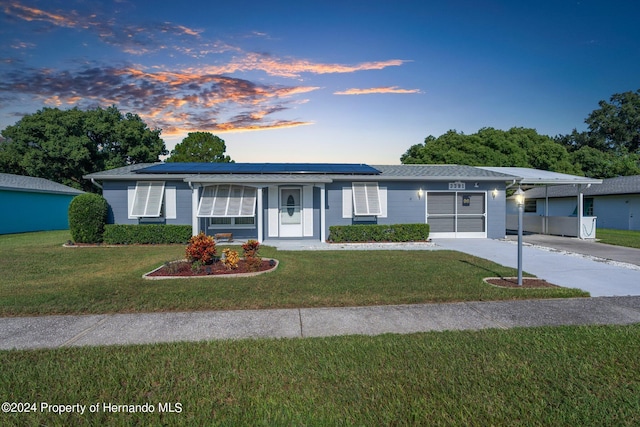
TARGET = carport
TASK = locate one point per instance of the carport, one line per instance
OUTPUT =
(537, 219)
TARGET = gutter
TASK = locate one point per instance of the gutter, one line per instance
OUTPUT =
(93, 181)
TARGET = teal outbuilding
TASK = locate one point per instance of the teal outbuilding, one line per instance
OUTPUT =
(33, 204)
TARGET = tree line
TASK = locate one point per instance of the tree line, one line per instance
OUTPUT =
(65, 145)
(610, 147)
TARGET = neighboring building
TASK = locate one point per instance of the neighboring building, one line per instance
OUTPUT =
(302, 200)
(615, 203)
(33, 204)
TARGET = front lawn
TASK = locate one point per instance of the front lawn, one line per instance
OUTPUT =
(40, 277)
(569, 376)
(627, 238)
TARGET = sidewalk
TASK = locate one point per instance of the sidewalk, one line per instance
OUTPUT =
(65, 331)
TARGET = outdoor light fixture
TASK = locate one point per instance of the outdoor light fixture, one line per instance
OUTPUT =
(494, 193)
(519, 195)
(420, 193)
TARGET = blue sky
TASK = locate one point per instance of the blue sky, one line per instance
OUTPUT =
(321, 81)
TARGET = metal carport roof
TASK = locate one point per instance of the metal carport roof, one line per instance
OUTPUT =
(528, 176)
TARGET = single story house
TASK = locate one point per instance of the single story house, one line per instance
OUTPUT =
(265, 201)
(615, 203)
(33, 204)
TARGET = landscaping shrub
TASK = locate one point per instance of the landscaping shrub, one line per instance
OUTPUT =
(251, 248)
(201, 249)
(87, 218)
(250, 252)
(230, 259)
(131, 234)
(378, 233)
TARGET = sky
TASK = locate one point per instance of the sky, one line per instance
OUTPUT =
(346, 81)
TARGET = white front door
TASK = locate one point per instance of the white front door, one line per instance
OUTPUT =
(291, 212)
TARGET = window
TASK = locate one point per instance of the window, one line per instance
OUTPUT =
(227, 201)
(147, 199)
(235, 222)
(587, 207)
(530, 206)
(366, 199)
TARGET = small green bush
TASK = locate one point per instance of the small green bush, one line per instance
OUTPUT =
(87, 218)
(378, 233)
(131, 234)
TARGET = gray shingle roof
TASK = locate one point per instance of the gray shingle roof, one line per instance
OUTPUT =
(39, 185)
(440, 172)
(610, 186)
(388, 172)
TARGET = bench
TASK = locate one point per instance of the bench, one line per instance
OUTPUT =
(228, 236)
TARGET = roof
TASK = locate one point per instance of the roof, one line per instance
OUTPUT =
(531, 176)
(440, 172)
(297, 172)
(38, 185)
(609, 186)
(260, 168)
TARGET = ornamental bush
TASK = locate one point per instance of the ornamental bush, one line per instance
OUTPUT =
(230, 259)
(379, 233)
(201, 249)
(251, 258)
(87, 218)
(251, 248)
(145, 234)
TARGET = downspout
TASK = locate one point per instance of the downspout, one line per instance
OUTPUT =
(93, 181)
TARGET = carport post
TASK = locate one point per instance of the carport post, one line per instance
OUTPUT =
(520, 201)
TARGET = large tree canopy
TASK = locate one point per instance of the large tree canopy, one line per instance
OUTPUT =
(493, 147)
(64, 145)
(611, 146)
(200, 147)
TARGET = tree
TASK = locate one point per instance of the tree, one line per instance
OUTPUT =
(200, 147)
(492, 147)
(615, 126)
(64, 145)
(611, 146)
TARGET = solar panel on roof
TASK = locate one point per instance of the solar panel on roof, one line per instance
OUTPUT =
(260, 168)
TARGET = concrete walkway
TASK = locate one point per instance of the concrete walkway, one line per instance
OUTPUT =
(64, 331)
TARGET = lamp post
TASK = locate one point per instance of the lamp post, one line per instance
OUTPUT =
(520, 201)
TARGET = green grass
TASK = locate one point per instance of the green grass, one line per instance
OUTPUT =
(40, 277)
(627, 238)
(571, 376)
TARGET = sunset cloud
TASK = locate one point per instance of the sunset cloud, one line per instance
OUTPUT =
(209, 96)
(373, 90)
(132, 39)
(293, 68)
(201, 101)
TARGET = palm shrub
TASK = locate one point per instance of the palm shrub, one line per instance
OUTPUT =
(87, 218)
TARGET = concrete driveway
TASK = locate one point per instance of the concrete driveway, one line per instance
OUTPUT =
(600, 270)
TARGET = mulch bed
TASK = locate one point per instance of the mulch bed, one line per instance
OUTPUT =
(512, 282)
(183, 269)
